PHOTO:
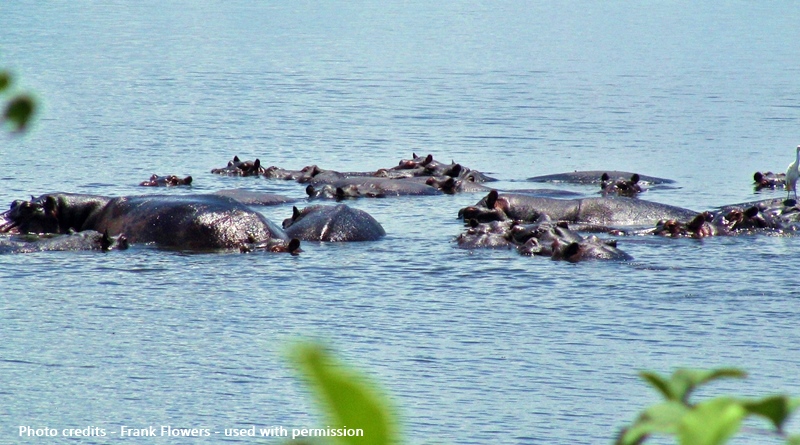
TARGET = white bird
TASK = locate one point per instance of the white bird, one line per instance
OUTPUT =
(792, 173)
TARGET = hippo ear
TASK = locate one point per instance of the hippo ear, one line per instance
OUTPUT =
(635, 178)
(428, 160)
(696, 223)
(294, 246)
(153, 177)
(449, 186)
(413, 155)
(188, 180)
(51, 205)
(340, 194)
(491, 199)
(758, 176)
(751, 212)
(571, 251)
(236, 159)
(105, 241)
(257, 164)
(604, 177)
(295, 213)
(310, 190)
(454, 171)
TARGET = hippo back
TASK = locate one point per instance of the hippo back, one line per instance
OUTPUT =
(613, 210)
(333, 223)
(187, 221)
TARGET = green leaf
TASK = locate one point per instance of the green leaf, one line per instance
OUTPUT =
(663, 418)
(19, 111)
(776, 409)
(685, 381)
(712, 422)
(348, 400)
(5, 80)
(793, 440)
(659, 383)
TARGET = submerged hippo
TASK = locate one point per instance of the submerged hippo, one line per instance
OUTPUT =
(199, 222)
(332, 223)
(595, 177)
(355, 187)
(254, 198)
(767, 216)
(769, 180)
(86, 240)
(237, 167)
(166, 181)
(594, 211)
(542, 238)
(621, 186)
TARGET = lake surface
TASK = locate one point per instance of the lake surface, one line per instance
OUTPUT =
(474, 347)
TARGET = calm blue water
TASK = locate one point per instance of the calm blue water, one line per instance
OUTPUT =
(474, 347)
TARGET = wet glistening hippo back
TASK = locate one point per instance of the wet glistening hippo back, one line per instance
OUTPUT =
(184, 222)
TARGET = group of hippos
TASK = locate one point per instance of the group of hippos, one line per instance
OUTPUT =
(544, 222)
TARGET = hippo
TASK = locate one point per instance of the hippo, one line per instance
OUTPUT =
(166, 181)
(327, 191)
(542, 238)
(427, 166)
(491, 235)
(595, 177)
(248, 197)
(196, 222)
(767, 216)
(332, 223)
(450, 185)
(605, 211)
(769, 180)
(86, 240)
(621, 186)
(370, 187)
(237, 167)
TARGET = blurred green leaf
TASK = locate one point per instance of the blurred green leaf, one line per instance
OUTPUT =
(711, 422)
(659, 383)
(19, 111)
(347, 398)
(5, 80)
(776, 409)
(684, 381)
(793, 440)
(664, 418)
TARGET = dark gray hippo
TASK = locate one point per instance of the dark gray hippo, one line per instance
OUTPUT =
(769, 180)
(542, 238)
(427, 166)
(237, 167)
(621, 186)
(777, 216)
(370, 187)
(248, 197)
(166, 181)
(332, 223)
(606, 211)
(86, 240)
(197, 222)
(595, 177)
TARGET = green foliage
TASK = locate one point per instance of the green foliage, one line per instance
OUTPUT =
(711, 422)
(346, 397)
(18, 108)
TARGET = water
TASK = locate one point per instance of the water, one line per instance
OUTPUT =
(474, 347)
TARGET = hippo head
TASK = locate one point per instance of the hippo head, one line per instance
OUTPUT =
(490, 208)
(51, 213)
(39, 215)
